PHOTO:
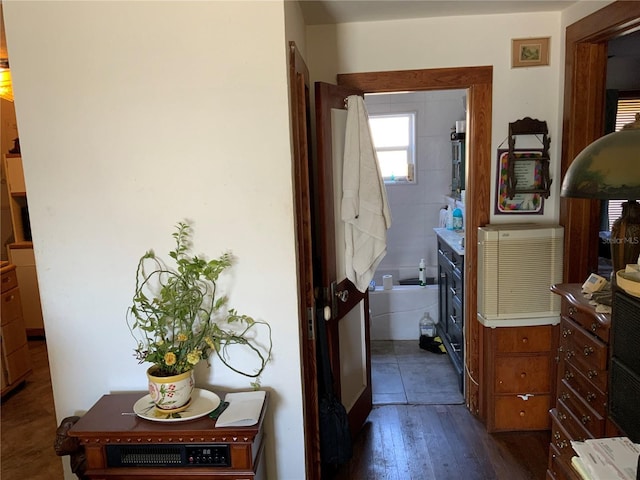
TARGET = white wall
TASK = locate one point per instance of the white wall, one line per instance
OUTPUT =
(415, 208)
(458, 42)
(134, 116)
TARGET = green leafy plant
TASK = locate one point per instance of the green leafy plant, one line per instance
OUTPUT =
(176, 318)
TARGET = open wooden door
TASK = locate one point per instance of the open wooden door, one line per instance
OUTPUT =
(346, 308)
(301, 126)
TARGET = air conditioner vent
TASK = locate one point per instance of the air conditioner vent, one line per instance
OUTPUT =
(517, 264)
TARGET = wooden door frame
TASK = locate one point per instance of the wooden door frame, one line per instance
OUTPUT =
(583, 122)
(478, 81)
(299, 86)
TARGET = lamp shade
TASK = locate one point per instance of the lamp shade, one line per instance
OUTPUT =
(608, 169)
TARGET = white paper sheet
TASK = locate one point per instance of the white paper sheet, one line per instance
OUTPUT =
(243, 410)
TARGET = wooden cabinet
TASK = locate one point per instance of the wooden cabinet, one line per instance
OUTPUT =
(20, 252)
(520, 376)
(451, 301)
(457, 167)
(14, 349)
(580, 407)
(125, 447)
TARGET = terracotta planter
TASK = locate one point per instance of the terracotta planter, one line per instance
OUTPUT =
(170, 394)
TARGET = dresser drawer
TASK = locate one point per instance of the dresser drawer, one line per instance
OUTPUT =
(590, 419)
(522, 374)
(11, 306)
(586, 320)
(559, 468)
(13, 336)
(18, 364)
(584, 351)
(571, 424)
(523, 339)
(584, 387)
(513, 413)
(9, 279)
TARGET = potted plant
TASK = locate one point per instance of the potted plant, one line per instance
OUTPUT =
(178, 320)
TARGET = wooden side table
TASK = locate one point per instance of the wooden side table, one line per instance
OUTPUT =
(189, 450)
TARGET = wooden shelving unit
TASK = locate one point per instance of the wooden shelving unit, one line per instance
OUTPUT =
(20, 252)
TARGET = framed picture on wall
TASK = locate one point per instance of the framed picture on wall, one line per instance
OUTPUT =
(528, 175)
(529, 52)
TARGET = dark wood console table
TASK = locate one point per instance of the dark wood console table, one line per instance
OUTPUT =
(110, 425)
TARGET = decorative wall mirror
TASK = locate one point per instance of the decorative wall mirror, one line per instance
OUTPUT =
(528, 173)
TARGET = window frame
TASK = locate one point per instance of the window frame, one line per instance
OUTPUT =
(410, 149)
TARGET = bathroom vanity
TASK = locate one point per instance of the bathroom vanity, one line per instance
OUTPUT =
(451, 296)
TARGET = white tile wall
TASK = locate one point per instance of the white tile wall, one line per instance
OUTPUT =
(415, 209)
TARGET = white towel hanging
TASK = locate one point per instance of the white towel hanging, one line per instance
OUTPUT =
(365, 209)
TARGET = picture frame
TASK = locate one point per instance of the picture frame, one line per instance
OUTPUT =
(529, 172)
(530, 52)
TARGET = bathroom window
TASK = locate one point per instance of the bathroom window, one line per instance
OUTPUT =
(394, 141)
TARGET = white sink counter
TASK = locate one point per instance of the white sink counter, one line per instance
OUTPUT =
(454, 238)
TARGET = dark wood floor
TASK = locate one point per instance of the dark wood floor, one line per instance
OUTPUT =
(398, 442)
(441, 442)
(29, 425)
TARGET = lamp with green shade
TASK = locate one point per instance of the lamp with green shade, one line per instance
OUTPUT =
(609, 169)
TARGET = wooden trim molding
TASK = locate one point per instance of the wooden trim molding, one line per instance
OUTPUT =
(583, 122)
(478, 81)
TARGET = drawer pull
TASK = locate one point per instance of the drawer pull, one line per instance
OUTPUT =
(522, 413)
(587, 350)
(592, 373)
(526, 396)
(594, 327)
(9, 298)
(585, 419)
(525, 340)
(562, 416)
(523, 375)
(561, 444)
(591, 397)
(556, 435)
(568, 375)
(573, 310)
(565, 396)
(566, 332)
(570, 354)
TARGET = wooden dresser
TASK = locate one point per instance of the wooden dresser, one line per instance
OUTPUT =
(520, 376)
(580, 410)
(14, 349)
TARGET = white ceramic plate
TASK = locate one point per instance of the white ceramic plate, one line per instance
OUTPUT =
(203, 402)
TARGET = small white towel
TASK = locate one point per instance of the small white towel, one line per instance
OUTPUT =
(365, 209)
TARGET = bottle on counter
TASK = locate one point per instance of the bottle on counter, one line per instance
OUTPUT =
(457, 219)
(421, 273)
(449, 218)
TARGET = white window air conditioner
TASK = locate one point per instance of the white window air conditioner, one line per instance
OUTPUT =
(517, 264)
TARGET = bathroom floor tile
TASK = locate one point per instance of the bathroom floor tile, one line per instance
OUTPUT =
(386, 378)
(389, 399)
(401, 373)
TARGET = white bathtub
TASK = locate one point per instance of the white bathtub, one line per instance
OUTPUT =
(396, 313)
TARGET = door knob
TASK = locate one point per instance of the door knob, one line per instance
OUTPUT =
(343, 295)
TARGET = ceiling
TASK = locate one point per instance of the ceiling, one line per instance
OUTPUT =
(320, 12)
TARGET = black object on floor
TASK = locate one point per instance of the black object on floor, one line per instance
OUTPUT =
(432, 344)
